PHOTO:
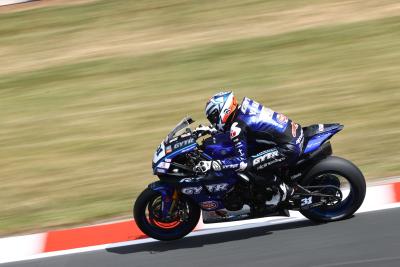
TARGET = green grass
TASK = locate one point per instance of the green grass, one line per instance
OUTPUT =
(77, 136)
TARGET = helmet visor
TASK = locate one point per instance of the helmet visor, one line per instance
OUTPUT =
(213, 117)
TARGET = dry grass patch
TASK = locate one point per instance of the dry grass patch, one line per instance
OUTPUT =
(120, 28)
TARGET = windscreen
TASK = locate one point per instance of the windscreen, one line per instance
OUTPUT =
(183, 124)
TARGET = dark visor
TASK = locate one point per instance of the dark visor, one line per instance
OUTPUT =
(213, 117)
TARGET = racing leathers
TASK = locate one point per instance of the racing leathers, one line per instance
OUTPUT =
(255, 126)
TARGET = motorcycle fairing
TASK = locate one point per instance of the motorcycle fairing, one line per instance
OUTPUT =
(163, 163)
(207, 193)
(318, 134)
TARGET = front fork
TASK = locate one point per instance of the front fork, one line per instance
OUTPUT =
(169, 197)
(175, 197)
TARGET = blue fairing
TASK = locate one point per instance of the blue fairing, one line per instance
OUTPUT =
(207, 193)
(157, 166)
(314, 142)
(222, 147)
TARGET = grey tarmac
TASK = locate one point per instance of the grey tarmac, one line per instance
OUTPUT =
(367, 239)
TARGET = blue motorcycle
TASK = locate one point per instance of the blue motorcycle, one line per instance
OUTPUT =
(326, 188)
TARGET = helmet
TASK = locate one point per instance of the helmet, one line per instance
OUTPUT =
(219, 109)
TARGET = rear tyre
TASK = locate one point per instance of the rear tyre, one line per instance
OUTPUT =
(340, 173)
(147, 214)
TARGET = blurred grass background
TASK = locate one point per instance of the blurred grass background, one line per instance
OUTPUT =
(87, 91)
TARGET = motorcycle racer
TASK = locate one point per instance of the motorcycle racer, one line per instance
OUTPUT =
(249, 171)
(252, 125)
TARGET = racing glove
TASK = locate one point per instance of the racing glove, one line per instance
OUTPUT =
(206, 166)
(202, 130)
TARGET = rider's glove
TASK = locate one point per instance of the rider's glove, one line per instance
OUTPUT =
(203, 130)
(206, 166)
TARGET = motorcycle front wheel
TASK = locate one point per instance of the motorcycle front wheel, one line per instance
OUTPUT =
(147, 212)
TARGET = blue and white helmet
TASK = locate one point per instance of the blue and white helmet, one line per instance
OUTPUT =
(219, 108)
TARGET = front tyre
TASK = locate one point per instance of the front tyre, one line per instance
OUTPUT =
(342, 174)
(147, 214)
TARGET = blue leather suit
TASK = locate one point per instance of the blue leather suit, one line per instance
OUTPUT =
(263, 138)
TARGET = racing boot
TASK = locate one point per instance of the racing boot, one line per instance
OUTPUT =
(283, 193)
(280, 199)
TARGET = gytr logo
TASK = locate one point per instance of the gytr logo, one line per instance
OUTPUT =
(213, 188)
(183, 143)
(263, 156)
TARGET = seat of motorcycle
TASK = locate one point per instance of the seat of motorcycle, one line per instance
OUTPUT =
(312, 130)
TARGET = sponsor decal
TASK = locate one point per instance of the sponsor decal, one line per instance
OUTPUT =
(282, 119)
(254, 108)
(193, 190)
(231, 166)
(306, 201)
(235, 131)
(209, 205)
(261, 157)
(294, 128)
(168, 149)
(250, 106)
(267, 164)
(320, 127)
(267, 114)
(300, 139)
(164, 165)
(159, 150)
(295, 176)
(245, 105)
(159, 154)
(217, 187)
(213, 188)
(183, 143)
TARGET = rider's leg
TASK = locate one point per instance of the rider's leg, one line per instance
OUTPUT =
(274, 159)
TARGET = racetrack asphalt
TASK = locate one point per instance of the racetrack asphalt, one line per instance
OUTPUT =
(367, 239)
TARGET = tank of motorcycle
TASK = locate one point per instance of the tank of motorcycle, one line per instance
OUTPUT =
(219, 146)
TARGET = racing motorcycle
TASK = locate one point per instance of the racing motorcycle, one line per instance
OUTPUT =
(326, 188)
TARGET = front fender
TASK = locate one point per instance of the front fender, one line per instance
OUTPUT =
(164, 188)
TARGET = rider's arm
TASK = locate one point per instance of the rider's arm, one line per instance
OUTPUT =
(238, 134)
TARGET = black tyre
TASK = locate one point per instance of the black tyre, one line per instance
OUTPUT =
(147, 214)
(340, 173)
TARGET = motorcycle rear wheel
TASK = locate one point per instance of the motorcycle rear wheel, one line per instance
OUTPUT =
(146, 212)
(340, 173)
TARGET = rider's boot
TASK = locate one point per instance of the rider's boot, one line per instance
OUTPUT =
(280, 199)
(284, 193)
